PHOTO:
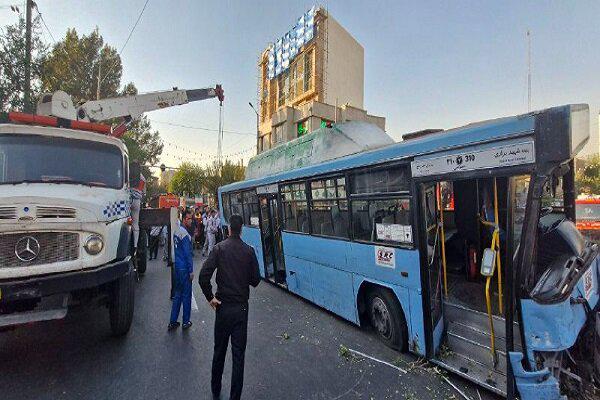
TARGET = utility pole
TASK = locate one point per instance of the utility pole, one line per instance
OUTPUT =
(27, 77)
(528, 71)
(99, 73)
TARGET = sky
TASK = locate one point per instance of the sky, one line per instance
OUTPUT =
(427, 64)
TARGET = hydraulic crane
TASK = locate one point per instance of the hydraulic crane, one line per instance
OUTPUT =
(57, 109)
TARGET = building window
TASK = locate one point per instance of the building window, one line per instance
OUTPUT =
(389, 180)
(302, 128)
(308, 70)
(300, 76)
(382, 221)
(329, 207)
(326, 123)
(250, 207)
(295, 208)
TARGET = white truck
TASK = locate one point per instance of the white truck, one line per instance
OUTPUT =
(65, 221)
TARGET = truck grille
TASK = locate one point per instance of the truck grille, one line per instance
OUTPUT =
(53, 247)
(55, 212)
(8, 213)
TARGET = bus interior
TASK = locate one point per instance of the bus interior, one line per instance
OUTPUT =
(462, 236)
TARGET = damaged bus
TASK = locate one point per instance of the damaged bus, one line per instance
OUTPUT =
(459, 246)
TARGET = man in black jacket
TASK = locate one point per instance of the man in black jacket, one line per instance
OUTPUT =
(237, 269)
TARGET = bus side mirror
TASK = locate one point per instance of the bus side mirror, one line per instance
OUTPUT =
(135, 171)
(488, 262)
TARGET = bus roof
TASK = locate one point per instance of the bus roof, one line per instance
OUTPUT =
(472, 134)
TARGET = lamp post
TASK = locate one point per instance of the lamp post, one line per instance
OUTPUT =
(257, 125)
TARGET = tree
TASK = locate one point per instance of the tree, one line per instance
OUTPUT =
(74, 63)
(188, 180)
(588, 178)
(12, 63)
(217, 176)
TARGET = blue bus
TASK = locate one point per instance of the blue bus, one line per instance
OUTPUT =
(458, 246)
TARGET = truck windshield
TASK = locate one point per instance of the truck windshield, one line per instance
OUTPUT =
(39, 159)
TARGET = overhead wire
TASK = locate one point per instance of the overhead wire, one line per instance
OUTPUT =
(44, 22)
(126, 41)
(201, 128)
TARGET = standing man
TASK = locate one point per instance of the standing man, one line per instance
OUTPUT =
(155, 234)
(184, 273)
(237, 269)
(212, 229)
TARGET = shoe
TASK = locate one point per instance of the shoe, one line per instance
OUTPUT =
(187, 325)
(173, 325)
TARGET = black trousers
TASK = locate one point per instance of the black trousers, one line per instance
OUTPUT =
(231, 322)
(154, 246)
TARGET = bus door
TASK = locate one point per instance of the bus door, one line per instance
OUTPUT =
(431, 224)
(270, 229)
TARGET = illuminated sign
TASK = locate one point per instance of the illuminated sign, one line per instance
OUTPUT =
(287, 47)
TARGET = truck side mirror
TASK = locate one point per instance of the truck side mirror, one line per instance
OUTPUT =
(135, 172)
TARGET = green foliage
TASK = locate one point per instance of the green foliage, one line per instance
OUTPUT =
(218, 176)
(72, 66)
(12, 63)
(143, 144)
(188, 180)
(587, 179)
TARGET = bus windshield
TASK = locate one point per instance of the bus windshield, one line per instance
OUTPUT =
(42, 159)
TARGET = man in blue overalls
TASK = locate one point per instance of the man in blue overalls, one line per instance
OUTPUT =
(184, 273)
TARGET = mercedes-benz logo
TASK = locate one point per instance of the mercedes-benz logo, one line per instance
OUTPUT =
(27, 248)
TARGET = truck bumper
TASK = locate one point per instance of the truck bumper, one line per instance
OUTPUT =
(43, 286)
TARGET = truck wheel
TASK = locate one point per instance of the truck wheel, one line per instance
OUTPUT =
(122, 304)
(142, 252)
(387, 318)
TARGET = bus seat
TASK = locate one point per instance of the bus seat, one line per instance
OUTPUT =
(305, 226)
(326, 229)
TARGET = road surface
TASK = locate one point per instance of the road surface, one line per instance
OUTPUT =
(293, 353)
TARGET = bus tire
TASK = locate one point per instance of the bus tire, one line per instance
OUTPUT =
(387, 318)
(142, 252)
(122, 304)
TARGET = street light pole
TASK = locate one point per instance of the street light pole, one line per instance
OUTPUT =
(257, 126)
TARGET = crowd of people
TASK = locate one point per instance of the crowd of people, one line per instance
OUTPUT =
(236, 268)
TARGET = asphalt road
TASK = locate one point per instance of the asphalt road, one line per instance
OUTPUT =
(293, 353)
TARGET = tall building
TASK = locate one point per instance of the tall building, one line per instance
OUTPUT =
(311, 77)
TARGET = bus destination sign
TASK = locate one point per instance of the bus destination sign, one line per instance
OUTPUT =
(465, 160)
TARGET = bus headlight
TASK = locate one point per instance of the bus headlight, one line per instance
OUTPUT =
(94, 245)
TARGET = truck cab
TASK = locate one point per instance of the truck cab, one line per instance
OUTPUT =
(65, 226)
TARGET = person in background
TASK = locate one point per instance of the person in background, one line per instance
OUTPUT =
(237, 269)
(205, 221)
(164, 238)
(212, 229)
(155, 233)
(184, 273)
(200, 232)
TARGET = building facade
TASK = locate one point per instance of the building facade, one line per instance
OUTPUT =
(316, 81)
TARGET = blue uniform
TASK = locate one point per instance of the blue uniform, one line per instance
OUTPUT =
(184, 266)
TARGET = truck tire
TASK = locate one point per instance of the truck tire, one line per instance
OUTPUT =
(122, 304)
(387, 318)
(142, 252)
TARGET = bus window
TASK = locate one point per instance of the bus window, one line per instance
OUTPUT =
(236, 204)
(329, 207)
(382, 221)
(225, 203)
(250, 207)
(295, 208)
(395, 179)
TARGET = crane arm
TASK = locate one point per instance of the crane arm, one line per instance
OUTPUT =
(132, 107)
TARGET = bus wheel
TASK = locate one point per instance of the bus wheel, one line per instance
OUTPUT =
(387, 318)
(122, 304)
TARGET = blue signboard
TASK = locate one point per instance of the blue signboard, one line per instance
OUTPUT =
(286, 48)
